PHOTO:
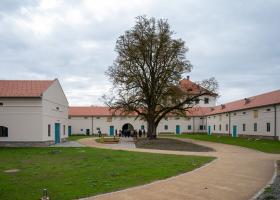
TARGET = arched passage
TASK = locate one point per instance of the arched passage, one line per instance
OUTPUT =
(127, 127)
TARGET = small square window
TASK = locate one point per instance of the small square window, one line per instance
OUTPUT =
(268, 109)
(201, 127)
(1, 103)
(189, 127)
(165, 127)
(206, 100)
(244, 113)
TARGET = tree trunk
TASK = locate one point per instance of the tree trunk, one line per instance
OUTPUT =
(152, 129)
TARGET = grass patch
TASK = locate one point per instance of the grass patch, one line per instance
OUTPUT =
(110, 140)
(71, 173)
(78, 137)
(170, 144)
(267, 146)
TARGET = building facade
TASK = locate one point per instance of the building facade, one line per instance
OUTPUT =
(257, 116)
(32, 113)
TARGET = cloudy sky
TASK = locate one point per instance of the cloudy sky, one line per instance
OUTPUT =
(237, 42)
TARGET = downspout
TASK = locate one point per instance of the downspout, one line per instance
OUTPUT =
(229, 123)
(193, 125)
(92, 125)
(206, 126)
(275, 122)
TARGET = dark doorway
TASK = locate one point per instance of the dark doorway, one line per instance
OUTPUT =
(127, 127)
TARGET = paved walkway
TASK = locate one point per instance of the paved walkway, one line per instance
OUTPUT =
(68, 144)
(125, 142)
(237, 173)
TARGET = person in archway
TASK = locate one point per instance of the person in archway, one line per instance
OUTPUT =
(144, 133)
(140, 133)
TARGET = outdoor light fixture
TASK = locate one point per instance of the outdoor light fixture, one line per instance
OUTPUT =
(45, 195)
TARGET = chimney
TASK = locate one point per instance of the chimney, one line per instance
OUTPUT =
(223, 106)
(188, 77)
(247, 100)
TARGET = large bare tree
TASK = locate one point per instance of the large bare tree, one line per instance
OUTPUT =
(147, 71)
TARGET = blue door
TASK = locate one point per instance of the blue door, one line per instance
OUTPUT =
(69, 130)
(57, 133)
(111, 130)
(234, 131)
(177, 129)
(209, 130)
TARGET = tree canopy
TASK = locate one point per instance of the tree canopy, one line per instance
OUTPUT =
(147, 71)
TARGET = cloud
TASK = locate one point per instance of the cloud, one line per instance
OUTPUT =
(237, 42)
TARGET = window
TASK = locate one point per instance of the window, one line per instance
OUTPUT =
(268, 127)
(214, 127)
(256, 114)
(49, 130)
(220, 127)
(97, 117)
(234, 113)
(69, 117)
(82, 129)
(255, 127)
(189, 127)
(197, 101)
(3, 131)
(268, 109)
(206, 100)
(1, 104)
(201, 127)
(244, 127)
(165, 127)
(85, 117)
(244, 113)
(57, 108)
(63, 129)
(226, 127)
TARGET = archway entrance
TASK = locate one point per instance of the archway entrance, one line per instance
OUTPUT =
(127, 130)
(127, 127)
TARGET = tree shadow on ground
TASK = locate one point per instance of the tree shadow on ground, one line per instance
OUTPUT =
(170, 144)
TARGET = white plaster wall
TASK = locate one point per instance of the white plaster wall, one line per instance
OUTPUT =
(239, 118)
(23, 117)
(52, 99)
(80, 124)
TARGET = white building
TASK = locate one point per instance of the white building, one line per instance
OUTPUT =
(257, 116)
(32, 113)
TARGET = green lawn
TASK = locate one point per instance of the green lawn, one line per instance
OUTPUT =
(77, 137)
(268, 146)
(70, 173)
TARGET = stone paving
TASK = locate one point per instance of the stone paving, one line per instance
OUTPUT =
(125, 142)
(237, 174)
(68, 144)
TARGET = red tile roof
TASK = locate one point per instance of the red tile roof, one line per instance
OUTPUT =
(269, 98)
(192, 88)
(265, 99)
(23, 88)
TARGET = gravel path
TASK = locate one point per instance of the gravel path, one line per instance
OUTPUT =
(68, 144)
(273, 191)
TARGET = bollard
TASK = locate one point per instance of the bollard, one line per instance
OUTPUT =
(45, 195)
